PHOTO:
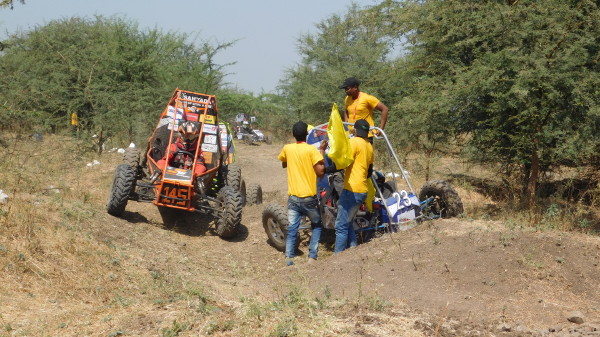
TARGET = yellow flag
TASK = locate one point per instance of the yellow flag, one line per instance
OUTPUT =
(339, 145)
(370, 194)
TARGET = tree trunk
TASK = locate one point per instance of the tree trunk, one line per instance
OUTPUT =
(532, 183)
(100, 141)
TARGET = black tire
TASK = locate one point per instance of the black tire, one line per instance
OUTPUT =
(123, 185)
(234, 177)
(131, 157)
(243, 192)
(254, 195)
(446, 202)
(231, 212)
(275, 222)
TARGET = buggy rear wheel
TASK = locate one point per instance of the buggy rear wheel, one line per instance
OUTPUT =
(131, 157)
(159, 142)
(275, 222)
(445, 202)
(234, 177)
(254, 195)
(231, 212)
(123, 185)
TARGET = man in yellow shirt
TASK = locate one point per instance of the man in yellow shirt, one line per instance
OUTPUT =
(355, 187)
(304, 164)
(360, 105)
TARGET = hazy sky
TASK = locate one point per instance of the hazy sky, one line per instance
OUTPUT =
(267, 30)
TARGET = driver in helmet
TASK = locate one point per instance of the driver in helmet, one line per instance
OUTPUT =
(182, 152)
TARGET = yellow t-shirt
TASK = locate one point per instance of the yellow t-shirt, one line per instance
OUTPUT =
(300, 159)
(355, 176)
(361, 108)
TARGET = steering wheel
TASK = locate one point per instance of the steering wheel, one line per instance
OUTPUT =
(183, 152)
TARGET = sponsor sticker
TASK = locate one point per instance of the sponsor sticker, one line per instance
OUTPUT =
(210, 139)
(171, 112)
(207, 119)
(209, 129)
(191, 117)
(209, 148)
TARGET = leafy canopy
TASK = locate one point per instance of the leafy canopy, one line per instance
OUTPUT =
(114, 76)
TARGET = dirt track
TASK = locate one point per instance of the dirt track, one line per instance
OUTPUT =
(478, 272)
(455, 277)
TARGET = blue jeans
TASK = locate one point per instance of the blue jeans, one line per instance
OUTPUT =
(297, 208)
(348, 205)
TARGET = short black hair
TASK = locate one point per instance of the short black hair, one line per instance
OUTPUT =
(362, 128)
(300, 131)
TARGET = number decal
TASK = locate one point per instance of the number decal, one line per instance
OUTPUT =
(171, 194)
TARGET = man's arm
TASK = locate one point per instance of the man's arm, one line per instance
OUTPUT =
(322, 147)
(384, 113)
(283, 157)
(319, 168)
(345, 117)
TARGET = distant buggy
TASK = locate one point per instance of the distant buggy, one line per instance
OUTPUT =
(245, 133)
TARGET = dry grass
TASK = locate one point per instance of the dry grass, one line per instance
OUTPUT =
(568, 198)
(46, 255)
(59, 278)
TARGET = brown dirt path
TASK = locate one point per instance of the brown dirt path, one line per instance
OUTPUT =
(472, 270)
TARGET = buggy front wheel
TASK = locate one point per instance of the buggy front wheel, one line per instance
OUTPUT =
(275, 222)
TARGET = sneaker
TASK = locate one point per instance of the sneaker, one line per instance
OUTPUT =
(311, 260)
(289, 262)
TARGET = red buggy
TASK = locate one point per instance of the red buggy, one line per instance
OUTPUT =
(218, 191)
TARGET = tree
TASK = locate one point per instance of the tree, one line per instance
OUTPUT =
(518, 77)
(115, 77)
(357, 44)
(512, 84)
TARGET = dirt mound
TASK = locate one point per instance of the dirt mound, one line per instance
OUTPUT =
(468, 270)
